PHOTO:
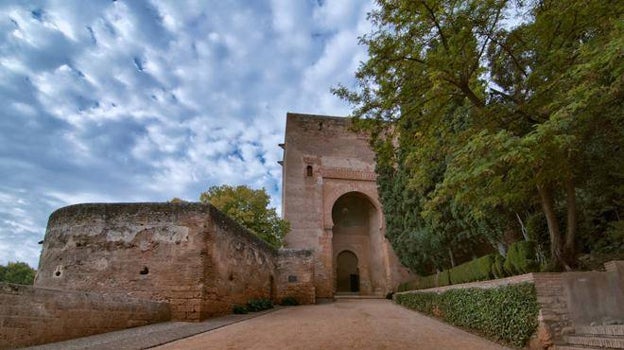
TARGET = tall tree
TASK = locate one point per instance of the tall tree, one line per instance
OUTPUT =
(18, 273)
(250, 208)
(510, 102)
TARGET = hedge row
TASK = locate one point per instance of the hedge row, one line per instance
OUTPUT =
(507, 313)
(521, 258)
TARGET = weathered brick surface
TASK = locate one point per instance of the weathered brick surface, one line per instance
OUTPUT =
(240, 267)
(295, 271)
(341, 163)
(31, 316)
(190, 255)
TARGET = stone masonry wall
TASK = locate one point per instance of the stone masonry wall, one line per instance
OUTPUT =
(31, 316)
(324, 160)
(154, 251)
(190, 255)
(240, 266)
(295, 276)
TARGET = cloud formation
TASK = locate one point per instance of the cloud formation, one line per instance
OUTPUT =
(108, 101)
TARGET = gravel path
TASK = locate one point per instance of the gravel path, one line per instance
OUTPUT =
(345, 324)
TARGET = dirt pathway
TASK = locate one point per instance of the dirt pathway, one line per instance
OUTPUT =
(345, 324)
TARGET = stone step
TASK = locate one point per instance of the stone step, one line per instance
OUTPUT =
(612, 330)
(572, 347)
(602, 342)
(357, 296)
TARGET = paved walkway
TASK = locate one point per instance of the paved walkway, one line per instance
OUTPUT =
(344, 324)
(147, 337)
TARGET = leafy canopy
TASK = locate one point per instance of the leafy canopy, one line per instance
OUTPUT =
(488, 114)
(17, 273)
(250, 208)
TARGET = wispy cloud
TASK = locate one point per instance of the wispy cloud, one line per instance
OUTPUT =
(147, 100)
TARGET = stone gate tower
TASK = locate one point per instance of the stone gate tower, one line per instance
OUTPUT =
(329, 196)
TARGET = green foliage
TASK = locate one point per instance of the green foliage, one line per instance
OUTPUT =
(521, 258)
(464, 159)
(255, 305)
(476, 270)
(612, 241)
(289, 301)
(506, 313)
(250, 208)
(17, 273)
(444, 278)
(239, 309)
(430, 281)
(498, 269)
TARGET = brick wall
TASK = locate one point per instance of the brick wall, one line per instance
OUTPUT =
(341, 162)
(295, 275)
(154, 251)
(240, 266)
(31, 316)
(190, 255)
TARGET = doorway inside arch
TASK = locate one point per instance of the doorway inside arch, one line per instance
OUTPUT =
(357, 242)
(347, 273)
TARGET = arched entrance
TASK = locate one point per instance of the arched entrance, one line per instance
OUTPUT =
(347, 273)
(358, 254)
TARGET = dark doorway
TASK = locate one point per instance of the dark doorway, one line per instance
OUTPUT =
(355, 283)
(347, 274)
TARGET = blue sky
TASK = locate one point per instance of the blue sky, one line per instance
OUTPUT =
(125, 101)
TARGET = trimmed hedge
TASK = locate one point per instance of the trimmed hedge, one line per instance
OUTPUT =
(498, 269)
(507, 313)
(476, 270)
(521, 258)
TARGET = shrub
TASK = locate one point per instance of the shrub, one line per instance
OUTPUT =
(289, 301)
(427, 282)
(521, 258)
(17, 273)
(507, 313)
(239, 309)
(476, 270)
(254, 305)
(444, 278)
(409, 285)
(498, 269)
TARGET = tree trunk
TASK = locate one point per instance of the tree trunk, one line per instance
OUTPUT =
(452, 257)
(569, 249)
(548, 206)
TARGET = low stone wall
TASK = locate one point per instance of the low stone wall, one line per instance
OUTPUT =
(239, 266)
(32, 316)
(295, 271)
(188, 254)
(567, 300)
(596, 297)
(154, 251)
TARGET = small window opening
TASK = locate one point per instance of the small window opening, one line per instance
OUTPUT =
(144, 271)
(309, 170)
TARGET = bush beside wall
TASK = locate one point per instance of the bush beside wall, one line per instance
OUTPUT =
(476, 270)
(507, 314)
(521, 259)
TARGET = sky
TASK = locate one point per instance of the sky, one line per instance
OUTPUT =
(141, 101)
